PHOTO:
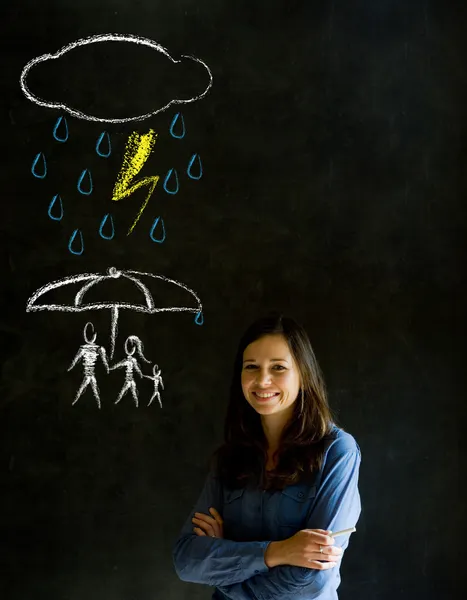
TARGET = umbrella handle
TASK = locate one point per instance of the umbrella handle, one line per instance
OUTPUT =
(113, 329)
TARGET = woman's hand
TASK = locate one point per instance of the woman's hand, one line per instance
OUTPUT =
(303, 550)
(207, 525)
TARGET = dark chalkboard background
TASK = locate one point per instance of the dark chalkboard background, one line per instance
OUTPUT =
(333, 190)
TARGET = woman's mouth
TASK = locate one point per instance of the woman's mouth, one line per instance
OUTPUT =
(264, 396)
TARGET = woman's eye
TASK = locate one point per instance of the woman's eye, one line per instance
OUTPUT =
(249, 367)
(279, 368)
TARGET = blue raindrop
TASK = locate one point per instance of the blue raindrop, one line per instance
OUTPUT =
(171, 174)
(61, 130)
(200, 167)
(180, 135)
(86, 174)
(72, 242)
(112, 228)
(199, 320)
(103, 145)
(39, 161)
(55, 211)
(161, 236)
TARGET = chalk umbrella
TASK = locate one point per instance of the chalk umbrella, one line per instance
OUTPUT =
(90, 280)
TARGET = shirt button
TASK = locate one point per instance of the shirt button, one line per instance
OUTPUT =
(256, 571)
(300, 494)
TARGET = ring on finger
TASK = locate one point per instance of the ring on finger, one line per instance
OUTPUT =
(321, 549)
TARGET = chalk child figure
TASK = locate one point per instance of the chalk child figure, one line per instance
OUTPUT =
(89, 353)
(157, 378)
(132, 344)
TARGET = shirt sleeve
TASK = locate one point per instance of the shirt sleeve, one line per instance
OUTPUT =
(336, 506)
(214, 561)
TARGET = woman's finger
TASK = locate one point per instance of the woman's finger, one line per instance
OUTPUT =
(216, 515)
(198, 531)
(203, 524)
(211, 529)
(320, 538)
(322, 566)
(210, 525)
(206, 518)
(210, 522)
(334, 551)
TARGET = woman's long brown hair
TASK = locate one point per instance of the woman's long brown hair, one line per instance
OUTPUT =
(242, 458)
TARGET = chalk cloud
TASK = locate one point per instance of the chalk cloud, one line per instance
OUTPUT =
(105, 38)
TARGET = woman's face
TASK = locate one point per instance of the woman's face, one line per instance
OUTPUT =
(270, 376)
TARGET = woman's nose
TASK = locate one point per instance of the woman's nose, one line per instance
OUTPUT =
(263, 377)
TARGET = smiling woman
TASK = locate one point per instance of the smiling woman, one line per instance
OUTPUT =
(284, 476)
(271, 386)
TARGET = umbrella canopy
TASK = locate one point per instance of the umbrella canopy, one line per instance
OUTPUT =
(91, 280)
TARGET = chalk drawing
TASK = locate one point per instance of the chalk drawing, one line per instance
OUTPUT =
(55, 210)
(198, 166)
(159, 226)
(89, 280)
(103, 145)
(133, 344)
(88, 354)
(174, 123)
(60, 131)
(107, 219)
(157, 379)
(85, 177)
(172, 179)
(39, 166)
(76, 247)
(105, 38)
(137, 151)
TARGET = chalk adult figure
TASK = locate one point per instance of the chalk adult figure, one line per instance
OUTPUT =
(156, 377)
(89, 353)
(285, 476)
(133, 344)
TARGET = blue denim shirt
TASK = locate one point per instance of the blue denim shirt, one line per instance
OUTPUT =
(254, 517)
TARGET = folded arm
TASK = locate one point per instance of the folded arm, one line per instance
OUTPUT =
(336, 506)
(215, 561)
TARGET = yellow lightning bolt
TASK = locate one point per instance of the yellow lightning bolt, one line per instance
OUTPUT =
(137, 151)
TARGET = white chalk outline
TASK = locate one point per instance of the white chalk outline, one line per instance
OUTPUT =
(107, 37)
(131, 365)
(94, 278)
(157, 379)
(89, 353)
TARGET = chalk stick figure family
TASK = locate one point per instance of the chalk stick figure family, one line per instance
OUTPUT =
(90, 352)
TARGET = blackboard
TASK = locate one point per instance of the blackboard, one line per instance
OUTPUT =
(317, 170)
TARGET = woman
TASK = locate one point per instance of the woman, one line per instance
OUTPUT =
(130, 363)
(284, 472)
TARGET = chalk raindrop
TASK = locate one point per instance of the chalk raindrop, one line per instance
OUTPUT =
(199, 167)
(199, 319)
(55, 211)
(108, 235)
(103, 145)
(181, 133)
(172, 179)
(72, 246)
(61, 130)
(159, 225)
(39, 166)
(85, 178)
